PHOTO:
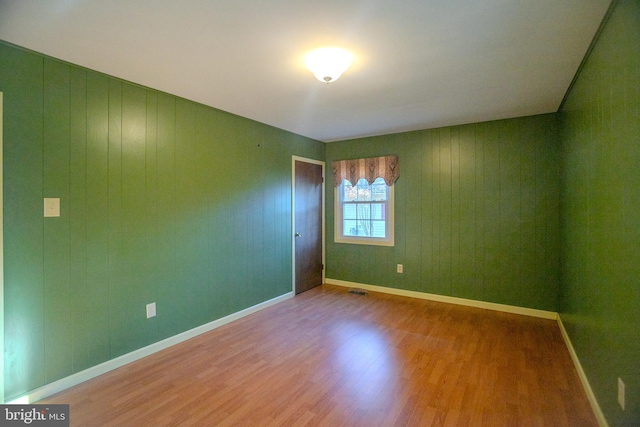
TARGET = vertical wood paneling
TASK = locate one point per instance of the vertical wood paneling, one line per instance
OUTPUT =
(201, 221)
(436, 286)
(529, 163)
(600, 223)
(118, 294)
(186, 227)
(427, 212)
(152, 237)
(57, 287)
(163, 200)
(551, 196)
(284, 231)
(22, 87)
(510, 213)
(232, 223)
(467, 166)
(280, 237)
(492, 290)
(97, 208)
(131, 287)
(255, 207)
(168, 291)
(446, 212)
(269, 156)
(390, 257)
(202, 183)
(236, 235)
(219, 218)
(474, 223)
(77, 216)
(412, 254)
(480, 223)
(456, 265)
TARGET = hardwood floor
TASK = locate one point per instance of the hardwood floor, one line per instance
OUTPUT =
(331, 358)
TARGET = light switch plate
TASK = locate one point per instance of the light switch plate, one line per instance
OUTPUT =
(51, 207)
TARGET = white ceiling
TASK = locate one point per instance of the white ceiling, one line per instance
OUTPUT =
(417, 63)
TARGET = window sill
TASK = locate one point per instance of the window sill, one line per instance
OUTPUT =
(364, 241)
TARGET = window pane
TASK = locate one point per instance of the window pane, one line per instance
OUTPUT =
(364, 227)
(364, 191)
(379, 190)
(349, 228)
(378, 229)
(349, 192)
(349, 211)
(377, 211)
(364, 209)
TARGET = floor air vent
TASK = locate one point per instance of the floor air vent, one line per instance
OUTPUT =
(358, 292)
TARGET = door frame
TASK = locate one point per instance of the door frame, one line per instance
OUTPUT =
(293, 216)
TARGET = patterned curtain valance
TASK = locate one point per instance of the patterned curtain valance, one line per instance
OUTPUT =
(385, 167)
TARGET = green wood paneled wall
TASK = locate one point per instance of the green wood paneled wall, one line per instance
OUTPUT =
(476, 213)
(600, 298)
(162, 200)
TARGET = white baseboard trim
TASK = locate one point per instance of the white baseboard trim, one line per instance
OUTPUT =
(450, 300)
(602, 421)
(110, 365)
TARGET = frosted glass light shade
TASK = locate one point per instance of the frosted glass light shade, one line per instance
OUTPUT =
(328, 63)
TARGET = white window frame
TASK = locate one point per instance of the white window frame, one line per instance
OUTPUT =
(339, 236)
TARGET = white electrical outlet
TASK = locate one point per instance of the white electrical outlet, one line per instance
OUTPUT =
(399, 268)
(621, 393)
(151, 310)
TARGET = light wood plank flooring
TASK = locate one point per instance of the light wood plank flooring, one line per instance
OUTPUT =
(331, 358)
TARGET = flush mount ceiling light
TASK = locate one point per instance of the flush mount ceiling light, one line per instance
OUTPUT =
(328, 63)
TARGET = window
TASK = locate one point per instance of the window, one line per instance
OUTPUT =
(364, 213)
